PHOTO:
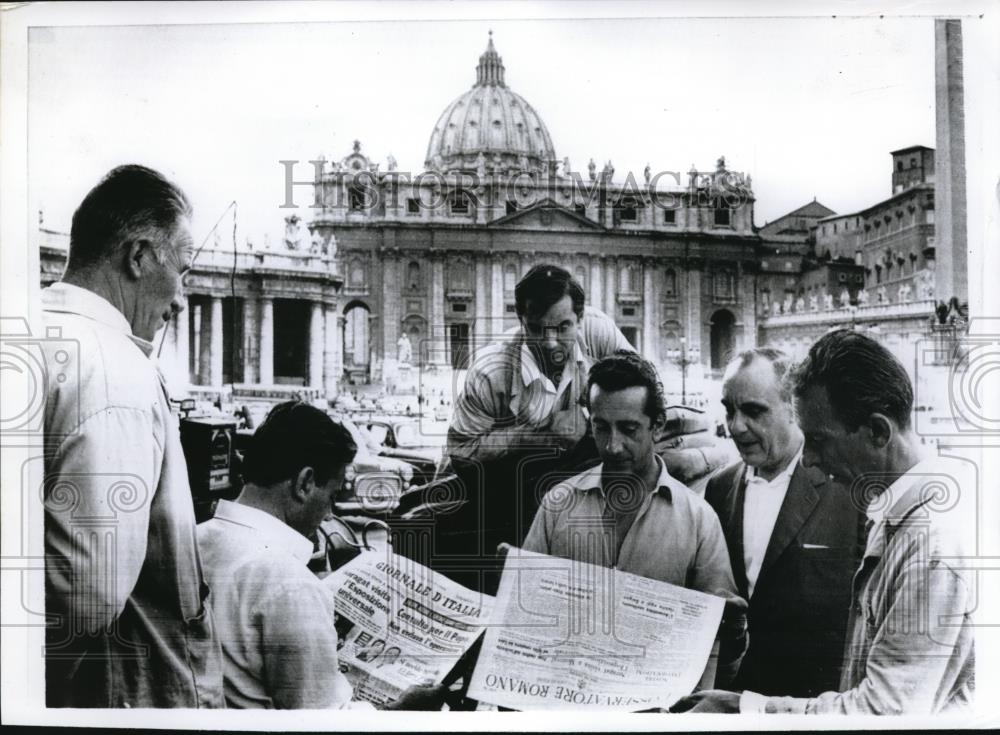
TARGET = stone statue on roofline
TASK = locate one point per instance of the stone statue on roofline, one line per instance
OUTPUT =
(863, 297)
(845, 298)
(828, 301)
(813, 302)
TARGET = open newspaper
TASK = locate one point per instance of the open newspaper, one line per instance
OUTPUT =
(410, 625)
(569, 635)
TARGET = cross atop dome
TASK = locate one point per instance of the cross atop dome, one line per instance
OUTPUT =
(490, 70)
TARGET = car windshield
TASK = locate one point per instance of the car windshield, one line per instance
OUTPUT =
(359, 438)
(407, 435)
(378, 432)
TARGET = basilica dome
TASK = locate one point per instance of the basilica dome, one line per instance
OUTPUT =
(489, 127)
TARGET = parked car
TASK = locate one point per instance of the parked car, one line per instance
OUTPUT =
(374, 482)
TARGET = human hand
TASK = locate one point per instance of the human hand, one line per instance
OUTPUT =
(420, 698)
(709, 700)
(567, 427)
(503, 549)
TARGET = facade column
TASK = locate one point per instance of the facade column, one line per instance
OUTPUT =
(748, 315)
(482, 334)
(650, 323)
(182, 345)
(251, 328)
(437, 330)
(316, 344)
(215, 377)
(596, 290)
(692, 303)
(266, 351)
(496, 293)
(391, 304)
(205, 344)
(610, 286)
(333, 339)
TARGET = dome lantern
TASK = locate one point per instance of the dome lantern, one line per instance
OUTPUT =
(489, 127)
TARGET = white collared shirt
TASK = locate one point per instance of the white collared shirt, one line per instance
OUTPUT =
(761, 505)
(881, 505)
(273, 616)
(536, 398)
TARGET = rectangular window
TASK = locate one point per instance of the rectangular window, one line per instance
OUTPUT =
(358, 200)
(628, 311)
(511, 206)
(580, 209)
(670, 216)
(723, 217)
(412, 206)
(627, 211)
(510, 309)
(460, 205)
(458, 307)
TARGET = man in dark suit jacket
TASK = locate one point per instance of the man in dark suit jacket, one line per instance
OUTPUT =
(795, 538)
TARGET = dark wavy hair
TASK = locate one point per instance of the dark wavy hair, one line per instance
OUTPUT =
(626, 369)
(543, 286)
(861, 377)
(296, 435)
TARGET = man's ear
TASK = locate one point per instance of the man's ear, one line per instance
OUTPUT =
(137, 253)
(659, 423)
(881, 428)
(304, 484)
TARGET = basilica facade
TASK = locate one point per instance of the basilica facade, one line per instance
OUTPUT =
(430, 259)
(419, 268)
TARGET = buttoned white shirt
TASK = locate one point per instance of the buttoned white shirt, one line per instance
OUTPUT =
(761, 505)
(274, 618)
(537, 397)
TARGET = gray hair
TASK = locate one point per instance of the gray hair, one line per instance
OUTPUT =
(128, 203)
(780, 362)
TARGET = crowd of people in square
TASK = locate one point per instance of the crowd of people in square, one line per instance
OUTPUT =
(840, 572)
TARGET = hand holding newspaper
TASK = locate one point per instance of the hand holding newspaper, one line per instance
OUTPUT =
(569, 635)
(411, 625)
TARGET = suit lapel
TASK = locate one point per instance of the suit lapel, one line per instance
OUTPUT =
(735, 514)
(799, 503)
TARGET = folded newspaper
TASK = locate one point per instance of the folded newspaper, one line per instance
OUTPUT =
(570, 635)
(407, 624)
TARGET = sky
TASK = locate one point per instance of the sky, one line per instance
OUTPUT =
(808, 107)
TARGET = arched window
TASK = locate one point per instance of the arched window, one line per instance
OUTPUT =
(580, 273)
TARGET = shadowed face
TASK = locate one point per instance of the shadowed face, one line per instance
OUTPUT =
(161, 289)
(551, 336)
(623, 431)
(829, 445)
(318, 503)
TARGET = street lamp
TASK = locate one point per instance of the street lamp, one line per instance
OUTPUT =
(684, 370)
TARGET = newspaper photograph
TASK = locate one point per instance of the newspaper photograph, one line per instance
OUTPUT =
(569, 635)
(410, 625)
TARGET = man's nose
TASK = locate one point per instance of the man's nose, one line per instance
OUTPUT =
(550, 338)
(737, 424)
(615, 444)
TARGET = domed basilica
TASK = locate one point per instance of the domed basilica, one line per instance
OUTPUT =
(435, 255)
